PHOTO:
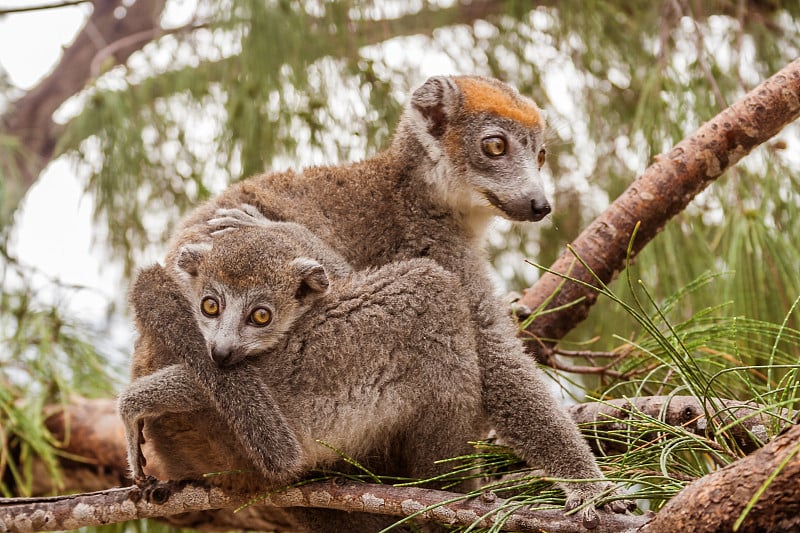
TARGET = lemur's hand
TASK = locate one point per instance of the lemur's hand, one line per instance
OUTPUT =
(243, 216)
(136, 459)
(591, 494)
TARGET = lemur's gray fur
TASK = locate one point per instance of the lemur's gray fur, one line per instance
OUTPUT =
(377, 365)
(466, 149)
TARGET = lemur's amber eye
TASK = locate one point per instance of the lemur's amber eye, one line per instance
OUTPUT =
(494, 146)
(540, 157)
(210, 306)
(261, 316)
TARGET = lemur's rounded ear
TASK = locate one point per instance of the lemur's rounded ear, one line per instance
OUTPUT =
(432, 101)
(314, 280)
(190, 255)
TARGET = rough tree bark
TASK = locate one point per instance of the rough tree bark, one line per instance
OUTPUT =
(97, 435)
(663, 191)
(750, 432)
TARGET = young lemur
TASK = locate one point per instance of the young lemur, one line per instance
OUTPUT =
(466, 149)
(380, 364)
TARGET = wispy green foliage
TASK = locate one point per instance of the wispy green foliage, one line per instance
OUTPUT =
(711, 356)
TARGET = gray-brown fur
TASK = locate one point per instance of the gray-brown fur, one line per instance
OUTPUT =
(375, 368)
(431, 194)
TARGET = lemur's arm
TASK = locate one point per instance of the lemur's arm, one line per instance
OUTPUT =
(168, 390)
(521, 406)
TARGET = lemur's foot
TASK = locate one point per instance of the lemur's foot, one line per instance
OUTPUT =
(144, 481)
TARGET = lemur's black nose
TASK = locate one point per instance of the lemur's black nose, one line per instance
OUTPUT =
(221, 355)
(539, 210)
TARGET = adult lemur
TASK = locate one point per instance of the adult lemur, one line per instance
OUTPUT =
(375, 364)
(466, 149)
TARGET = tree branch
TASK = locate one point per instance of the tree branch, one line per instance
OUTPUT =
(169, 498)
(26, 9)
(145, 36)
(96, 434)
(663, 191)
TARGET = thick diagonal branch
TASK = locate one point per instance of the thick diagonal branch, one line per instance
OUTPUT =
(663, 191)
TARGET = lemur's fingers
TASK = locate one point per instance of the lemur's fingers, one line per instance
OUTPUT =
(243, 212)
(147, 484)
(579, 494)
(589, 518)
(230, 222)
(139, 441)
(242, 216)
(621, 506)
(520, 311)
(222, 230)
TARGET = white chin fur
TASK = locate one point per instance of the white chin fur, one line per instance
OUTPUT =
(471, 206)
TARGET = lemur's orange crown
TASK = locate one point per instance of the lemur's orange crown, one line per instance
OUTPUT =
(483, 96)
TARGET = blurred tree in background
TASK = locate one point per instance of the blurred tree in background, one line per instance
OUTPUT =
(161, 115)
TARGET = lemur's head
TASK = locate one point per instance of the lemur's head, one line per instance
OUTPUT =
(247, 287)
(486, 142)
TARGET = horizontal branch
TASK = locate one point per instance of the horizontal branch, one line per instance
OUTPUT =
(161, 499)
(96, 435)
(151, 34)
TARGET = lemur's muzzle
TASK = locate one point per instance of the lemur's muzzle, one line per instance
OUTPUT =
(521, 209)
